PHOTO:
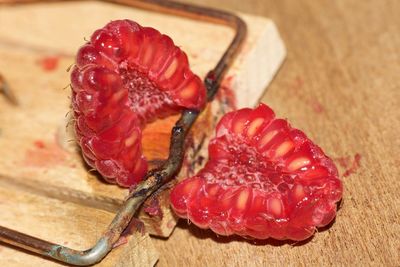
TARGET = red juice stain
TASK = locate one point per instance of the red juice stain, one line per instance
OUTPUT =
(226, 94)
(39, 144)
(350, 164)
(135, 225)
(343, 161)
(354, 166)
(194, 55)
(316, 106)
(45, 155)
(73, 165)
(171, 223)
(154, 208)
(296, 87)
(48, 63)
(121, 241)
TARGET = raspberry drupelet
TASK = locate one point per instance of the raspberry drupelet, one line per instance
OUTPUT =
(263, 179)
(126, 76)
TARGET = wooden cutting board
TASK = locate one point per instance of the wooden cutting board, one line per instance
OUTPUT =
(46, 190)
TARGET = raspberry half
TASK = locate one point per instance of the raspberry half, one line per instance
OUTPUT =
(263, 179)
(125, 77)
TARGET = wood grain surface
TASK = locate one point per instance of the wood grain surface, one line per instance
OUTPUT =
(68, 224)
(341, 85)
(43, 172)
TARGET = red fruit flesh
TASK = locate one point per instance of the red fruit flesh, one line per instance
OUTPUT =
(125, 77)
(263, 179)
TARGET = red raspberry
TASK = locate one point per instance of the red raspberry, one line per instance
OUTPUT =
(263, 179)
(126, 76)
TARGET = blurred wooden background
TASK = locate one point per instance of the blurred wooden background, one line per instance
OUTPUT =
(341, 85)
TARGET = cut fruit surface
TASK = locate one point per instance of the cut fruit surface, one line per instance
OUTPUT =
(263, 179)
(125, 77)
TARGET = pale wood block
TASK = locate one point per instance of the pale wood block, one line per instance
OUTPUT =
(138, 251)
(260, 58)
(67, 224)
(33, 136)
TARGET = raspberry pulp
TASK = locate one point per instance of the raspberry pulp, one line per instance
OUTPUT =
(126, 76)
(263, 179)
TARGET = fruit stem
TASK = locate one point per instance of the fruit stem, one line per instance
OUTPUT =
(155, 178)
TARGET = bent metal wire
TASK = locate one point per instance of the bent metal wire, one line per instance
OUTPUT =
(155, 178)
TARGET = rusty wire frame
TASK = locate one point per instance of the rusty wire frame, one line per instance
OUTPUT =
(154, 178)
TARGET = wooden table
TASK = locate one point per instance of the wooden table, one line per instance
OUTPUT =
(341, 85)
